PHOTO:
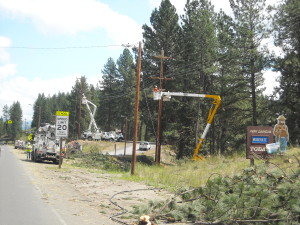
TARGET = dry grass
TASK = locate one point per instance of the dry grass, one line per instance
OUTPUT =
(187, 173)
(181, 174)
(100, 146)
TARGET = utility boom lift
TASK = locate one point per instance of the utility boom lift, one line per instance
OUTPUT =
(166, 96)
(88, 134)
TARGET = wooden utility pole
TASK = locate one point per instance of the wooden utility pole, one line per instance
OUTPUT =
(160, 106)
(39, 121)
(126, 125)
(79, 114)
(136, 112)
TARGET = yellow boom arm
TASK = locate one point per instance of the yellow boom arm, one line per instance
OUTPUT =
(212, 112)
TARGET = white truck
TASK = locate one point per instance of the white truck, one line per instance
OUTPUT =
(144, 146)
(89, 134)
(112, 136)
(46, 146)
(19, 144)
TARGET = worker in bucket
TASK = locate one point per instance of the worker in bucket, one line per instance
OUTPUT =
(281, 133)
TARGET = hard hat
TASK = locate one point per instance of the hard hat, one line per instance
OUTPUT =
(281, 117)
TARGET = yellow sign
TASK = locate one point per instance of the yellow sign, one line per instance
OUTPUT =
(62, 113)
(9, 121)
(29, 137)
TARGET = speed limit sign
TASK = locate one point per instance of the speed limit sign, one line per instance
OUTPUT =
(62, 123)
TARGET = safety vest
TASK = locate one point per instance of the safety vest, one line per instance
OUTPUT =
(28, 148)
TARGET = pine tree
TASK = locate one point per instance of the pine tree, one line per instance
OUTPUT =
(2, 127)
(126, 69)
(15, 115)
(163, 34)
(287, 36)
(251, 30)
(111, 93)
(78, 118)
(232, 86)
(196, 72)
(5, 112)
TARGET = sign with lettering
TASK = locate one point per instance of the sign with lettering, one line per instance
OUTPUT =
(257, 138)
(260, 140)
(62, 123)
(30, 137)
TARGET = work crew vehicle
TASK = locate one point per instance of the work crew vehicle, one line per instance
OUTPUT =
(46, 146)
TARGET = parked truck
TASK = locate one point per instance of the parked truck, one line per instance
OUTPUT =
(19, 144)
(46, 146)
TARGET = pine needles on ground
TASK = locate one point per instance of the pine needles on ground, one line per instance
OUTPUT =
(260, 195)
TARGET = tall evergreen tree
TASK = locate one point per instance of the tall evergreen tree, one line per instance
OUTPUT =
(111, 92)
(195, 71)
(5, 112)
(78, 118)
(232, 86)
(15, 114)
(42, 112)
(287, 36)
(251, 30)
(162, 34)
(2, 127)
(126, 69)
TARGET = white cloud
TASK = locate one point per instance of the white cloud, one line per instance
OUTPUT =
(4, 55)
(179, 4)
(218, 4)
(7, 70)
(73, 16)
(26, 91)
(270, 81)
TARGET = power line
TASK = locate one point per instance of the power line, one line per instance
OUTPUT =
(60, 48)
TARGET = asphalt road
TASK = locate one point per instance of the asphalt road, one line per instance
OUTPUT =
(20, 200)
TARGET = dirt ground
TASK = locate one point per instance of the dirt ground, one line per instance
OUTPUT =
(88, 197)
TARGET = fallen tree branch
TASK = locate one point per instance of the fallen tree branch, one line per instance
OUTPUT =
(238, 221)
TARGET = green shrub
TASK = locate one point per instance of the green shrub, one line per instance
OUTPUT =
(97, 160)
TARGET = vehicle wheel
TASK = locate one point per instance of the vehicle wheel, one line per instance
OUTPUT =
(90, 138)
(111, 140)
(36, 157)
(32, 156)
(56, 161)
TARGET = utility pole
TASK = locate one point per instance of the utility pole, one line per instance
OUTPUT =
(126, 128)
(160, 106)
(125, 132)
(136, 112)
(39, 121)
(79, 114)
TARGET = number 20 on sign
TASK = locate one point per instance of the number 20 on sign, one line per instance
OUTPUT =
(62, 122)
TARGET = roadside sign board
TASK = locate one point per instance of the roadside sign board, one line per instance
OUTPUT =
(257, 138)
(62, 124)
(30, 137)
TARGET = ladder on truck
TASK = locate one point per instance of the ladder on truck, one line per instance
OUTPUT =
(166, 96)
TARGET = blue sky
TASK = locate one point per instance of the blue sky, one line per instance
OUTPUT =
(40, 42)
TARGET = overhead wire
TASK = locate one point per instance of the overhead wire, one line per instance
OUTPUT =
(60, 48)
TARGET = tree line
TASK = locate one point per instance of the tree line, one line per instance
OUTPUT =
(206, 52)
